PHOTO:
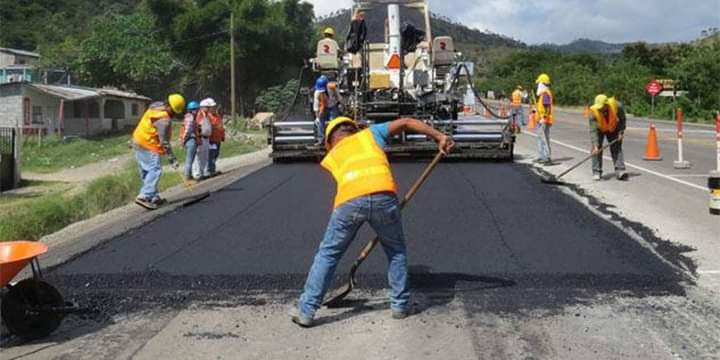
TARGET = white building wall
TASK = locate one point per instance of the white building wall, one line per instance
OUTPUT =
(49, 105)
(10, 111)
(6, 59)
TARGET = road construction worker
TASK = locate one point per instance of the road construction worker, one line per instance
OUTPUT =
(151, 141)
(333, 100)
(327, 51)
(320, 106)
(189, 139)
(203, 149)
(516, 108)
(217, 136)
(357, 33)
(607, 121)
(366, 192)
(545, 107)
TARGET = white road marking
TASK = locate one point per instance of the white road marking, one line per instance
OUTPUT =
(691, 175)
(704, 189)
(709, 272)
(672, 130)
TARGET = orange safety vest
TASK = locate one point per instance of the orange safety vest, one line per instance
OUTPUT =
(544, 113)
(146, 135)
(609, 124)
(359, 166)
(189, 118)
(218, 129)
(517, 98)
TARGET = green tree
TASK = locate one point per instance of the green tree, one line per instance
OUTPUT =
(123, 51)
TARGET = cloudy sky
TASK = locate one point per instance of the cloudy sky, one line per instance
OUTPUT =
(561, 21)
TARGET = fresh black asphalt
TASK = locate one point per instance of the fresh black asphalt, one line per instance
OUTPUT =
(488, 221)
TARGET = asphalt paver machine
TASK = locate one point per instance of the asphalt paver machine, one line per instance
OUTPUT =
(401, 70)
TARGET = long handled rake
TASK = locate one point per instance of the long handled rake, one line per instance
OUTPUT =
(555, 180)
(342, 292)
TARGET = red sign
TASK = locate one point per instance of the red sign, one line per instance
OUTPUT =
(653, 88)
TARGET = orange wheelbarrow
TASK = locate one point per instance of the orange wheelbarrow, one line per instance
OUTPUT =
(31, 308)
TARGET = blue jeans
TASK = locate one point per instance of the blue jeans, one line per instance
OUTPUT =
(322, 120)
(543, 140)
(518, 116)
(333, 112)
(212, 157)
(150, 170)
(382, 211)
(190, 151)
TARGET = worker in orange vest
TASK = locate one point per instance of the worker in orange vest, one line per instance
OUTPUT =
(545, 109)
(366, 192)
(151, 141)
(190, 139)
(320, 107)
(607, 121)
(516, 109)
(217, 136)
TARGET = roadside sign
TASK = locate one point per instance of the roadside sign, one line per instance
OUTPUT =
(653, 88)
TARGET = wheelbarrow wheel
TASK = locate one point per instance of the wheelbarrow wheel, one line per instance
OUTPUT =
(26, 309)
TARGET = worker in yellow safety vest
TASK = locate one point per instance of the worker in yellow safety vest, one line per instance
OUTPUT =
(151, 141)
(607, 121)
(366, 192)
(516, 109)
(545, 107)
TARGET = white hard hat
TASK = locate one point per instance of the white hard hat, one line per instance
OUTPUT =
(209, 102)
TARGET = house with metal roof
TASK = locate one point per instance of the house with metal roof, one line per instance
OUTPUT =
(18, 65)
(68, 110)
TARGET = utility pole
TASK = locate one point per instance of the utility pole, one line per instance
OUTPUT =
(232, 66)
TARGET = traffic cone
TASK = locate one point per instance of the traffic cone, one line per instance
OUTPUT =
(532, 121)
(652, 151)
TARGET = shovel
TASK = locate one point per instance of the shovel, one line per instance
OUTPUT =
(342, 292)
(555, 179)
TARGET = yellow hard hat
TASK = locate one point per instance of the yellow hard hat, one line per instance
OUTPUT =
(177, 103)
(600, 102)
(519, 87)
(329, 31)
(333, 124)
(543, 79)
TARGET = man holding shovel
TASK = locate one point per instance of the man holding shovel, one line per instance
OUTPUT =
(366, 192)
(607, 121)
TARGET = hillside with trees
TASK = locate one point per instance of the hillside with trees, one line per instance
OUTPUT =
(577, 78)
(158, 46)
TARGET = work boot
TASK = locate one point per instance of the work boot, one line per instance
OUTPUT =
(597, 177)
(401, 314)
(148, 204)
(190, 181)
(301, 321)
(621, 175)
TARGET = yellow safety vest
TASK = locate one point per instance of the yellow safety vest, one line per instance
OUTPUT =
(359, 166)
(541, 111)
(517, 98)
(607, 126)
(146, 134)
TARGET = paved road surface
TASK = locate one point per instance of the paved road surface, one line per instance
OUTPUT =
(502, 268)
(699, 146)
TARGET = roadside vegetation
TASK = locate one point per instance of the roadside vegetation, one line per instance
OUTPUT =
(577, 78)
(45, 206)
(29, 217)
(52, 153)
